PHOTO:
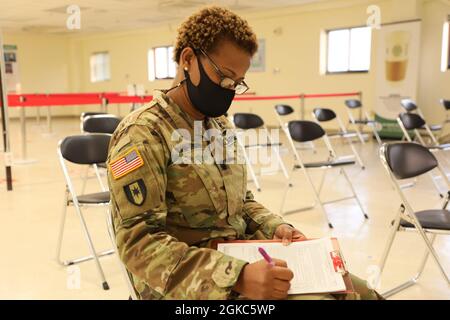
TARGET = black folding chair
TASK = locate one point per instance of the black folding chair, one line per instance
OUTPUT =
(352, 105)
(283, 112)
(326, 115)
(251, 121)
(303, 131)
(83, 150)
(404, 161)
(93, 122)
(88, 114)
(100, 123)
(411, 107)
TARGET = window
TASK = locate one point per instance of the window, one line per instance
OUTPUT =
(349, 50)
(445, 59)
(100, 67)
(161, 64)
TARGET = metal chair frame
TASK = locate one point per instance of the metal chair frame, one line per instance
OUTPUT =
(71, 199)
(407, 213)
(331, 163)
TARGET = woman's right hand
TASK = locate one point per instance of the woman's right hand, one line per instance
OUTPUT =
(261, 281)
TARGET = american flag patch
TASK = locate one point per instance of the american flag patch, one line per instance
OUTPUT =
(126, 163)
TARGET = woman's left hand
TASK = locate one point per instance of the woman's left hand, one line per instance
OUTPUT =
(286, 233)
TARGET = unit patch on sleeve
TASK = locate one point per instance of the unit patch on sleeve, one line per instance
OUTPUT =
(136, 192)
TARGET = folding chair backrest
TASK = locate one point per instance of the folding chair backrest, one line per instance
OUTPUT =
(85, 149)
(323, 114)
(446, 104)
(283, 109)
(87, 114)
(409, 160)
(100, 124)
(247, 121)
(411, 121)
(304, 131)
(408, 105)
(353, 103)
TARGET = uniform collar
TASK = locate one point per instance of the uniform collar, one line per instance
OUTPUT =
(173, 109)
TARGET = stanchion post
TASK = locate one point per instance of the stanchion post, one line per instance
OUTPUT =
(104, 104)
(5, 120)
(302, 106)
(38, 116)
(23, 129)
(49, 119)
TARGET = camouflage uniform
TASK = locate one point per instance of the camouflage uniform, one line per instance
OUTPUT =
(167, 215)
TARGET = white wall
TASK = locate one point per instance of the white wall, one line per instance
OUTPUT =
(433, 84)
(43, 65)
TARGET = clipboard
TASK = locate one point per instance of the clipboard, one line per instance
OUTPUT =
(336, 257)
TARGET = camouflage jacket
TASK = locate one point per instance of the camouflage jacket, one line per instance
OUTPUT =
(167, 215)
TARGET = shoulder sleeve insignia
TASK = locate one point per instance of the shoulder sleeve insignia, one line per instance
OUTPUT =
(127, 163)
(136, 192)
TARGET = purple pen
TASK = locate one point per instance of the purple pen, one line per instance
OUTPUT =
(266, 256)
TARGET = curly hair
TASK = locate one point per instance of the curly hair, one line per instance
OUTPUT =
(205, 28)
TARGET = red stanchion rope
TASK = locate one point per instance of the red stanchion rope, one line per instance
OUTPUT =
(70, 99)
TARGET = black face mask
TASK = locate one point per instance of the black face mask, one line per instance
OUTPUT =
(208, 97)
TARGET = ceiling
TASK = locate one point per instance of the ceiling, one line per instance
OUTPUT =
(49, 16)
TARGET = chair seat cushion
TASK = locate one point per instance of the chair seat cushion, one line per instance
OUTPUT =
(327, 164)
(431, 219)
(93, 198)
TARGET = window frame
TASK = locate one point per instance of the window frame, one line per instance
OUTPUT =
(169, 60)
(105, 79)
(327, 32)
(448, 44)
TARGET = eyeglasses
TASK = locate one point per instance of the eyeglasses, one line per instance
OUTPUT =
(240, 87)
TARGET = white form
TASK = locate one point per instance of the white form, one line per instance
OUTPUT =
(310, 261)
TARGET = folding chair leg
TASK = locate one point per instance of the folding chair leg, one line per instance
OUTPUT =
(250, 167)
(99, 178)
(436, 186)
(358, 132)
(283, 201)
(61, 229)
(360, 136)
(277, 154)
(281, 163)
(349, 141)
(425, 258)
(313, 147)
(91, 247)
(377, 136)
(356, 154)
(387, 250)
(374, 129)
(317, 198)
(433, 253)
(322, 180)
(253, 175)
(85, 179)
(354, 193)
